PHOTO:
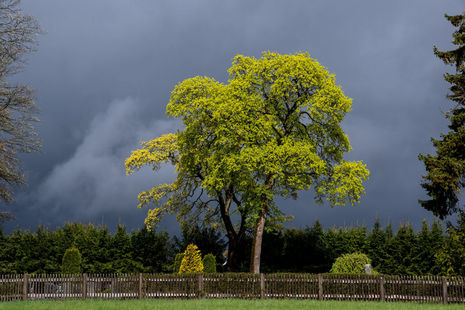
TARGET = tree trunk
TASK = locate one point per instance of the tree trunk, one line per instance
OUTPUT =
(257, 241)
(231, 264)
(259, 228)
(234, 238)
(235, 243)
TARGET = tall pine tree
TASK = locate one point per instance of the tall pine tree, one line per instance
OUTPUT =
(446, 170)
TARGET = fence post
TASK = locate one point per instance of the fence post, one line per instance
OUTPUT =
(25, 286)
(444, 290)
(200, 285)
(320, 286)
(140, 285)
(262, 286)
(381, 289)
(84, 285)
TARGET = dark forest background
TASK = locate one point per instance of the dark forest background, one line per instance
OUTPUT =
(433, 250)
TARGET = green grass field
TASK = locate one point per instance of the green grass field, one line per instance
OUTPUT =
(206, 304)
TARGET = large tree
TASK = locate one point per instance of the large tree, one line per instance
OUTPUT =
(272, 130)
(17, 109)
(446, 169)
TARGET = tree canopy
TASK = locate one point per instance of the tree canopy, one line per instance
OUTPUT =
(17, 109)
(446, 169)
(272, 130)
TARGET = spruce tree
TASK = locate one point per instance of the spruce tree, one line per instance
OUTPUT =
(376, 245)
(438, 241)
(192, 260)
(451, 257)
(400, 251)
(446, 170)
(423, 254)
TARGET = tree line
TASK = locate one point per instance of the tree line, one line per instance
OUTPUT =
(433, 250)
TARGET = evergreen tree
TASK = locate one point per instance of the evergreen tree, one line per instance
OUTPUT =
(318, 260)
(355, 239)
(42, 251)
(15, 253)
(399, 258)
(192, 260)
(120, 253)
(446, 170)
(152, 250)
(177, 262)
(334, 246)
(438, 241)
(429, 242)
(451, 257)
(3, 246)
(71, 261)
(423, 256)
(389, 231)
(376, 245)
(209, 263)
(344, 240)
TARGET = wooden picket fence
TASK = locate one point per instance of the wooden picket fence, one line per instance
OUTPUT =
(234, 285)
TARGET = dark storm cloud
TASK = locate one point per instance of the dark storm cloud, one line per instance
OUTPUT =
(97, 52)
(93, 179)
(92, 184)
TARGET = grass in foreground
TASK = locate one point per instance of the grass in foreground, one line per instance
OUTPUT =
(206, 304)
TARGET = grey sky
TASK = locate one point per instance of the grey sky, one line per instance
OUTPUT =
(104, 71)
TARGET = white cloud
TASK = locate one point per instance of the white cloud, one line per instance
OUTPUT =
(93, 179)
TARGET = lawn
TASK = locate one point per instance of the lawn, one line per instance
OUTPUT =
(206, 304)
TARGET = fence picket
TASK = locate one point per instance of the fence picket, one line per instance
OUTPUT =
(234, 285)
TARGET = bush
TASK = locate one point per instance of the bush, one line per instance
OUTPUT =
(177, 262)
(192, 260)
(71, 262)
(353, 263)
(209, 263)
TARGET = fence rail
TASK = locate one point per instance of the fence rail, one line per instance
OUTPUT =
(234, 285)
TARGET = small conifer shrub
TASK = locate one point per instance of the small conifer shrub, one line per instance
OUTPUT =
(209, 263)
(71, 262)
(177, 262)
(353, 263)
(192, 260)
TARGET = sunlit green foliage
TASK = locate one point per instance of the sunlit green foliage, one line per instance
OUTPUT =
(272, 130)
(353, 263)
(192, 260)
(278, 115)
